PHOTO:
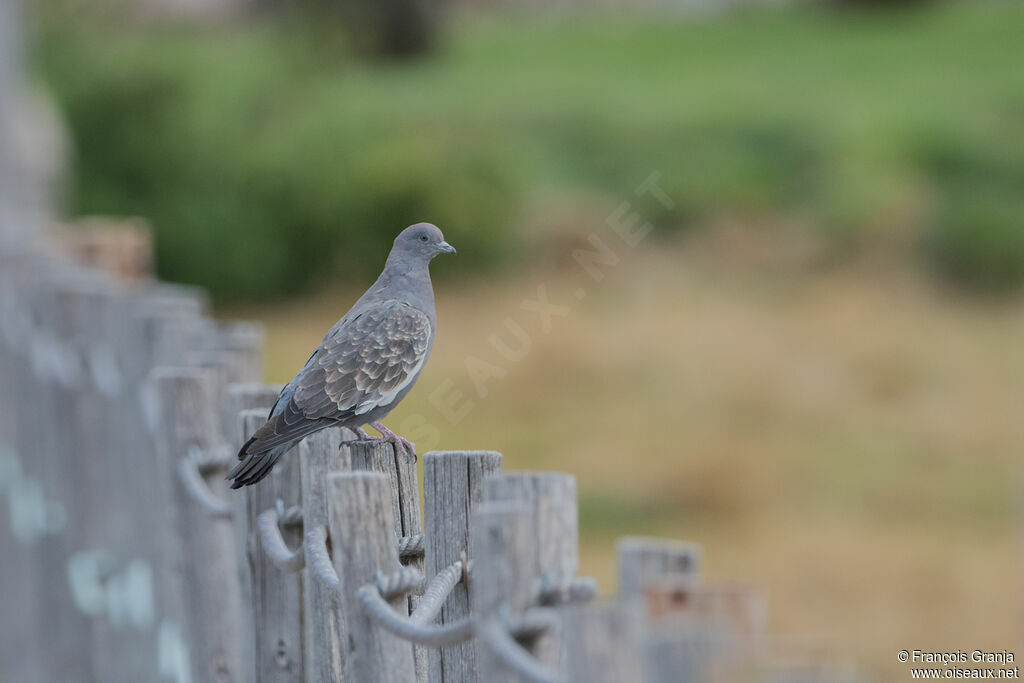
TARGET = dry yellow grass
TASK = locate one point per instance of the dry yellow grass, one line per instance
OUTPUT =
(846, 439)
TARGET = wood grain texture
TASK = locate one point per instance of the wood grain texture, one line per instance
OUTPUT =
(452, 489)
(319, 457)
(503, 572)
(199, 548)
(550, 499)
(272, 599)
(362, 533)
(400, 469)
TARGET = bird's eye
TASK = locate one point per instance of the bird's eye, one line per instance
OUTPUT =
(423, 238)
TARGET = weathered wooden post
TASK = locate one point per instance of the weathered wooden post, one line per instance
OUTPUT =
(320, 455)
(323, 619)
(550, 499)
(503, 580)
(56, 470)
(601, 642)
(161, 326)
(362, 531)
(453, 486)
(241, 344)
(644, 562)
(272, 597)
(241, 396)
(659, 576)
(19, 574)
(701, 631)
(200, 541)
(400, 469)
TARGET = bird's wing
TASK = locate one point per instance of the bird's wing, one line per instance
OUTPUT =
(363, 364)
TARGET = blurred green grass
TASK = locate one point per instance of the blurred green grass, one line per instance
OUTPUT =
(269, 160)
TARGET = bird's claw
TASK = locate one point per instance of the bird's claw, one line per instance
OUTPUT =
(400, 441)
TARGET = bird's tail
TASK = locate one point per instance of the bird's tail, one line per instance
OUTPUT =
(255, 464)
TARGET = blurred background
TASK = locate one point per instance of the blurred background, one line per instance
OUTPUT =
(810, 364)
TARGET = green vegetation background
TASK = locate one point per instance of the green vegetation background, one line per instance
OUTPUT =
(269, 160)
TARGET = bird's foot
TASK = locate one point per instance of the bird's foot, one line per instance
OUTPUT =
(400, 441)
(361, 435)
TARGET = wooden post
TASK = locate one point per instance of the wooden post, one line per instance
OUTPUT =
(241, 398)
(25, 394)
(601, 642)
(17, 621)
(400, 469)
(503, 573)
(550, 499)
(161, 326)
(657, 576)
(679, 653)
(323, 619)
(272, 599)
(699, 626)
(199, 548)
(244, 396)
(56, 471)
(452, 488)
(646, 561)
(362, 532)
(243, 344)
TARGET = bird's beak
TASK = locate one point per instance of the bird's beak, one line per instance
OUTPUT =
(446, 248)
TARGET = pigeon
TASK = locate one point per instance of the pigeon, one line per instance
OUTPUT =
(365, 365)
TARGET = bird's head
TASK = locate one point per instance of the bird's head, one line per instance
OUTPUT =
(422, 240)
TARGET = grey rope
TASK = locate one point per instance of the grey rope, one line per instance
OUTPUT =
(275, 547)
(436, 593)
(319, 559)
(531, 623)
(411, 546)
(195, 486)
(288, 516)
(416, 628)
(405, 580)
(104, 370)
(495, 637)
(211, 459)
(559, 589)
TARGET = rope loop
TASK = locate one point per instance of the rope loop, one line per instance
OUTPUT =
(191, 478)
(288, 516)
(417, 627)
(320, 563)
(210, 460)
(268, 525)
(494, 635)
(405, 580)
(558, 589)
(411, 547)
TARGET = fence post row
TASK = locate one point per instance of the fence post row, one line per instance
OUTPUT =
(125, 558)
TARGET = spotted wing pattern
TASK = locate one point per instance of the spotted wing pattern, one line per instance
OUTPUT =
(363, 364)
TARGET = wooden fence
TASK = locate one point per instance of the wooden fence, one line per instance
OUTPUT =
(125, 558)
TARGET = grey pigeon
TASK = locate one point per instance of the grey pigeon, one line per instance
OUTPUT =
(365, 365)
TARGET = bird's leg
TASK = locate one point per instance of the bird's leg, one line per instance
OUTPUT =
(361, 435)
(399, 441)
